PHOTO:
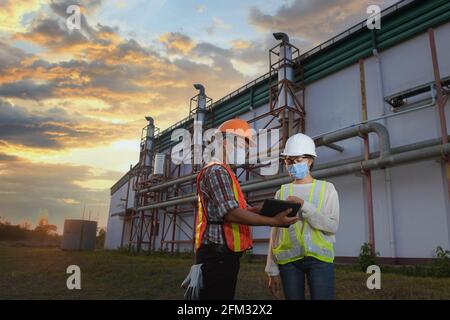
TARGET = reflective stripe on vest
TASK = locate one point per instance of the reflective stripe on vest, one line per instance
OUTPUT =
(235, 226)
(295, 243)
(237, 236)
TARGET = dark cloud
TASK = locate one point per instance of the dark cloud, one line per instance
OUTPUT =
(10, 56)
(131, 79)
(211, 50)
(54, 128)
(27, 89)
(53, 33)
(314, 20)
(132, 46)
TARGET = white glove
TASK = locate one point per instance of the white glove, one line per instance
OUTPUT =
(193, 283)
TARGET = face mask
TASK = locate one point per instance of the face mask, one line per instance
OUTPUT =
(299, 170)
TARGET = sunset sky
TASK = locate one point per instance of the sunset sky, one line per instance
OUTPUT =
(72, 102)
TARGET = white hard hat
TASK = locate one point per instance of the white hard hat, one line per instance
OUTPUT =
(299, 145)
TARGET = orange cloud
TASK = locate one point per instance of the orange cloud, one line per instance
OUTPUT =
(12, 12)
(177, 42)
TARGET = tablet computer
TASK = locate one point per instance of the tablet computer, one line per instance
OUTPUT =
(272, 207)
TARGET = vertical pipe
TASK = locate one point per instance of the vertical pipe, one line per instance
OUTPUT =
(162, 230)
(290, 123)
(158, 198)
(198, 127)
(283, 129)
(387, 171)
(367, 173)
(440, 103)
(201, 103)
(174, 221)
(285, 78)
(123, 229)
(173, 229)
(141, 229)
(131, 232)
(302, 126)
(285, 73)
(149, 137)
(126, 206)
(152, 230)
(439, 96)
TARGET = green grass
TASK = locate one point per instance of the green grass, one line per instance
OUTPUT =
(40, 273)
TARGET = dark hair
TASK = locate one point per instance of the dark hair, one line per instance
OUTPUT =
(312, 163)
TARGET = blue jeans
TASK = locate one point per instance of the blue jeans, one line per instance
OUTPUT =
(320, 276)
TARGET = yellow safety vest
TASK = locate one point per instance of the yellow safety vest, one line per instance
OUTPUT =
(298, 243)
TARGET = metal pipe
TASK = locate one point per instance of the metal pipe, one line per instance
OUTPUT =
(367, 173)
(387, 171)
(359, 130)
(200, 88)
(198, 126)
(379, 163)
(149, 137)
(285, 78)
(384, 116)
(281, 36)
(440, 104)
(439, 96)
(380, 130)
(126, 207)
(335, 147)
(285, 178)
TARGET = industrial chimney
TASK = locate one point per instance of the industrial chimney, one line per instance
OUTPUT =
(201, 103)
(285, 71)
(149, 137)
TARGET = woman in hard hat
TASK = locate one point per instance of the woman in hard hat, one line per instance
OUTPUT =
(305, 249)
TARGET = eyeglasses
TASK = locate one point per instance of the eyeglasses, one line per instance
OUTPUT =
(295, 160)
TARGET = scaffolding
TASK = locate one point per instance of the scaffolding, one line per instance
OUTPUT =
(286, 108)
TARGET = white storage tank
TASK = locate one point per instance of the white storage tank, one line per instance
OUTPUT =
(79, 234)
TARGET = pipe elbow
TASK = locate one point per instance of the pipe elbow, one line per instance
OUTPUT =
(200, 88)
(382, 133)
(281, 36)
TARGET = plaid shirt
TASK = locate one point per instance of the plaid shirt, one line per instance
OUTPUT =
(218, 196)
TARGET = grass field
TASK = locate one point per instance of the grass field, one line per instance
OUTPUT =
(40, 273)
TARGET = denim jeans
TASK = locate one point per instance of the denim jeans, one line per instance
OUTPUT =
(320, 277)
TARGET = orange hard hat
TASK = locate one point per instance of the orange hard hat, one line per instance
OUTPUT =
(237, 127)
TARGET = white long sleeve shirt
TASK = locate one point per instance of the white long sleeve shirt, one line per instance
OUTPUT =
(326, 220)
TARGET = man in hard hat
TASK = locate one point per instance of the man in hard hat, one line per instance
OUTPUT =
(222, 231)
(305, 249)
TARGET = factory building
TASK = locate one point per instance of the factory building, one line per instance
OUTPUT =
(375, 102)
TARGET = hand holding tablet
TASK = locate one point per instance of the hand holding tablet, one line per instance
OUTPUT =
(272, 207)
